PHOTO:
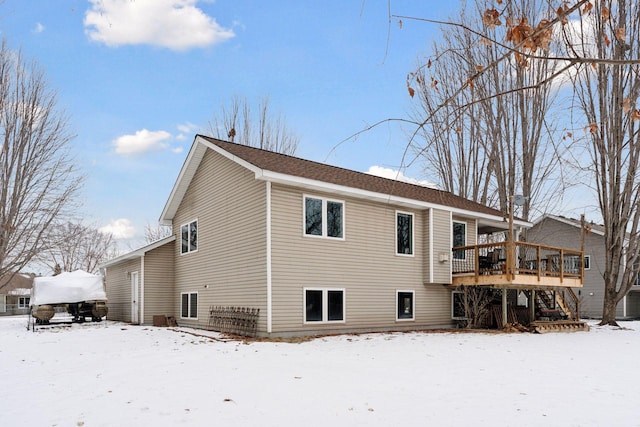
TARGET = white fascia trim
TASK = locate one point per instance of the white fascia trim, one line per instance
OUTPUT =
(253, 168)
(141, 298)
(281, 178)
(565, 221)
(186, 173)
(269, 283)
(138, 252)
(431, 254)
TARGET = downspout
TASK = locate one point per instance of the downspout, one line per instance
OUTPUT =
(141, 299)
(431, 255)
(269, 289)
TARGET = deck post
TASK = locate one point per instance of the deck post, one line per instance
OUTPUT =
(532, 305)
(504, 307)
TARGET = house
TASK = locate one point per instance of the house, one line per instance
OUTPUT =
(14, 293)
(299, 248)
(560, 231)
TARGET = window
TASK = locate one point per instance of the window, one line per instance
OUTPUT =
(404, 302)
(587, 262)
(457, 305)
(324, 305)
(323, 217)
(189, 306)
(459, 238)
(189, 233)
(23, 302)
(404, 233)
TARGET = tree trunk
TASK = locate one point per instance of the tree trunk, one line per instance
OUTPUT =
(609, 311)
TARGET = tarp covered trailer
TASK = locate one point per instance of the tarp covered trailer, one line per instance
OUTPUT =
(80, 293)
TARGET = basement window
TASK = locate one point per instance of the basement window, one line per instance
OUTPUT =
(189, 305)
(324, 305)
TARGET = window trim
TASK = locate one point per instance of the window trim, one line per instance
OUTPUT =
(587, 264)
(325, 306)
(190, 293)
(324, 201)
(466, 240)
(189, 251)
(413, 233)
(413, 305)
(453, 309)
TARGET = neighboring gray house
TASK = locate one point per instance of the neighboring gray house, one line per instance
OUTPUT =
(566, 232)
(315, 248)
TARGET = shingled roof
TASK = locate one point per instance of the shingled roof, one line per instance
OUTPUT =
(297, 167)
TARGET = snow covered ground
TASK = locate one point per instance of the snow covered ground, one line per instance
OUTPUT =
(114, 374)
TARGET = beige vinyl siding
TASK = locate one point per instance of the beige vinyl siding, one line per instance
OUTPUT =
(229, 267)
(118, 286)
(429, 257)
(159, 292)
(555, 233)
(441, 244)
(364, 264)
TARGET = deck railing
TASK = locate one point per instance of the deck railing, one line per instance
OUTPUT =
(514, 258)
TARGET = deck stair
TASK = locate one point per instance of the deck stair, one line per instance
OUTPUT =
(544, 326)
(564, 302)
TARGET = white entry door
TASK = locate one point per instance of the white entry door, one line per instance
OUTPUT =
(135, 295)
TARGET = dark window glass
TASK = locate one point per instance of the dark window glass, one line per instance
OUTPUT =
(185, 305)
(193, 236)
(313, 213)
(334, 219)
(184, 233)
(336, 305)
(314, 306)
(405, 234)
(459, 238)
(587, 262)
(193, 309)
(458, 305)
(405, 305)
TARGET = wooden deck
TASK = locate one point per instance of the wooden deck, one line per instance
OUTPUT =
(517, 265)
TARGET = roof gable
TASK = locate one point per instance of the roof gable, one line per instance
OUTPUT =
(276, 167)
(594, 228)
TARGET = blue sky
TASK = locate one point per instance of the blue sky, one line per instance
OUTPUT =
(139, 78)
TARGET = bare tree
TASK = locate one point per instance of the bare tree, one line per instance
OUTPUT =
(486, 147)
(75, 246)
(38, 178)
(608, 97)
(238, 123)
(154, 233)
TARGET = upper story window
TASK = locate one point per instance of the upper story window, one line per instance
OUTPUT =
(323, 217)
(404, 233)
(459, 238)
(189, 233)
(587, 262)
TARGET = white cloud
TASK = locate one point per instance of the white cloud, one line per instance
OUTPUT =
(39, 28)
(398, 176)
(143, 141)
(187, 128)
(120, 228)
(174, 24)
